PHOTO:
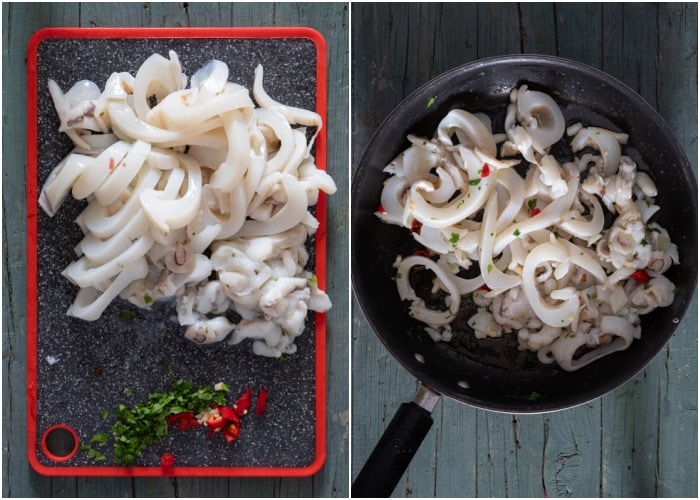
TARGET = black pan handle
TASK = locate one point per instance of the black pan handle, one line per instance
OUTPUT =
(397, 446)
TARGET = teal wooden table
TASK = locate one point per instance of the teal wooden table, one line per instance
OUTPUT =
(641, 439)
(19, 22)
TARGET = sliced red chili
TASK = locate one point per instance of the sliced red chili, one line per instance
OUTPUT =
(640, 276)
(416, 226)
(485, 170)
(422, 253)
(167, 460)
(242, 405)
(215, 422)
(184, 420)
(381, 210)
(261, 404)
(228, 413)
(231, 432)
(534, 212)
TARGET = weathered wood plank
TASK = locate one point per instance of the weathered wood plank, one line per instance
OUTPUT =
(578, 30)
(455, 39)
(536, 40)
(23, 23)
(456, 456)
(498, 29)
(529, 435)
(572, 452)
(677, 102)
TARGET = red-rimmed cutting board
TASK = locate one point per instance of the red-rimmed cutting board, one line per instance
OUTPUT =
(77, 370)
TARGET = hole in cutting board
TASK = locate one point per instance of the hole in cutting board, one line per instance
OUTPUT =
(59, 442)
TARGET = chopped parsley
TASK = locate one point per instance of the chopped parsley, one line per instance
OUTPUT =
(126, 315)
(431, 101)
(418, 335)
(454, 239)
(516, 233)
(534, 395)
(144, 424)
(474, 182)
(464, 339)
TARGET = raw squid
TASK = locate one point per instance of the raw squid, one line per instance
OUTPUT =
(182, 182)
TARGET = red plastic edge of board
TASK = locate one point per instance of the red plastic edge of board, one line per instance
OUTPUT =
(32, 272)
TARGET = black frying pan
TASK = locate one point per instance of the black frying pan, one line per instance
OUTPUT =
(492, 374)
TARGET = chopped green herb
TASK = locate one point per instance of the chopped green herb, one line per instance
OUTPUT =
(653, 230)
(644, 242)
(105, 414)
(474, 182)
(532, 203)
(233, 254)
(100, 439)
(126, 315)
(147, 299)
(418, 335)
(313, 279)
(489, 268)
(93, 454)
(454, 239)
(516, 233)
(221, 387)
(146, 423)
(398, 276)
(534, 395)
(556, 234)
(431, 101)
(464, 339)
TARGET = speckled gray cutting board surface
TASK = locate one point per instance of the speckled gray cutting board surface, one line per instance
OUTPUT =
(118, 359)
